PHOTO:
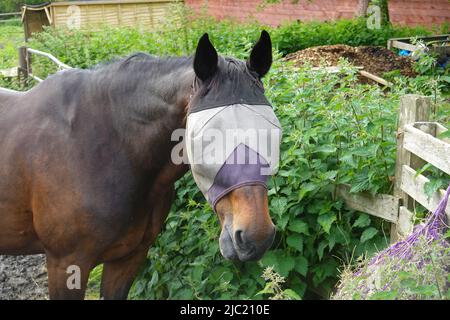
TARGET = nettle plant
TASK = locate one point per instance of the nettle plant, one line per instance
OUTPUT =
(334, 131)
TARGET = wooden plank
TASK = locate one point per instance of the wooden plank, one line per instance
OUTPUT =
(414, 186)
(403, 45)
(10, 14)
(427, 147)
(405, 223)
(425, 38)
(375, 78)
(413, 108)
(382, 205)
(10, 73)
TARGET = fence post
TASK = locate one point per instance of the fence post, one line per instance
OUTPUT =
(413, 108)
(23, 65)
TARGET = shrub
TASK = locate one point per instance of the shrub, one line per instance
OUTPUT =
(292, 37)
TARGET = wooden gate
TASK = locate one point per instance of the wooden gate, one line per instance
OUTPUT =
(418, 143)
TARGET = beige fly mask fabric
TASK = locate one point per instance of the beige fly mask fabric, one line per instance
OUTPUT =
(232, 146)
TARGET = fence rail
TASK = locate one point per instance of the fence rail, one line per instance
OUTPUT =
(10, 14)
(418, 143)
(25, 60)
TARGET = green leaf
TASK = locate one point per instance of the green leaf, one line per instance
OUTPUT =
(305, 189)
(295, 241)
(322, 245)
(329, 175)
(280, 261)
(301, 265)
(422, 170)
(445, 78)
(368, 234)
(445, 134)
(361, 184)
(269, 259)
(299, 227)
(268, 289)
(278, 205)
(384, 295)
(362, 221)
(326, 149)
(285, 265)
(326, 220)
(291, 294)
(432, 186)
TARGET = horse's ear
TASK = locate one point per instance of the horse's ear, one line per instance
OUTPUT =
(260, 58)
(205, 60)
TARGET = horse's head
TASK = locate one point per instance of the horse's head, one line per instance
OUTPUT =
(233, 139)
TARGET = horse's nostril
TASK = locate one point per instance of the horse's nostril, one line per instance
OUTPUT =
(238, 237)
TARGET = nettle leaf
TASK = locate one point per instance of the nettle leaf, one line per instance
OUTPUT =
(301, 265)
(295, 241)
(362, 184)
(384, 295)
(306, 188)
(432, 186)
(349, 159)
(282, 222)
(329, 175)
(366, 151)
(368, 234)
(270, 258)
(322, 245)
(326, 220)
(326, 149)
(278, 205)
(285, 265)
(291, 294)
(362, 221)
(280, 261)
(299, 227)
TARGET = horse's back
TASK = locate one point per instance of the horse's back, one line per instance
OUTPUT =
(8, 97)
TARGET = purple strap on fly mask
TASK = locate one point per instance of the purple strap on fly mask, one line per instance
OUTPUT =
(236, 173)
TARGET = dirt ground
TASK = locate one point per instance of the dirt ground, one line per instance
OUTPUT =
(23, 278)
(376, 60)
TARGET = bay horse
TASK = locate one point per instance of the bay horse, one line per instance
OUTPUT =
(86, 175)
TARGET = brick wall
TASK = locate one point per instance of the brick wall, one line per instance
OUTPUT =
(405, 12)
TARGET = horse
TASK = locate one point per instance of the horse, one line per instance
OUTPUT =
(86, 175)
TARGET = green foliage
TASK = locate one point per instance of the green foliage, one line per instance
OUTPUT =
(11, 38)
(292, 37)
(274, 287)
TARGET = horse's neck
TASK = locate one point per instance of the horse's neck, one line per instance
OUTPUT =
(146, 118)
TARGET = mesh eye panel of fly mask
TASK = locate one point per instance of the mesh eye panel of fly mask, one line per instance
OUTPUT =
(230, 146)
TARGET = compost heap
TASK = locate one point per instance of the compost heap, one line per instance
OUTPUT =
(375, 60)
(417, 267)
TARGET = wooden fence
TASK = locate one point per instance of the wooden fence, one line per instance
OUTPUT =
(418, 143)
(25, 58)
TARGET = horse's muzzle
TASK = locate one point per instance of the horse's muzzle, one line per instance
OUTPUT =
(238, 245)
